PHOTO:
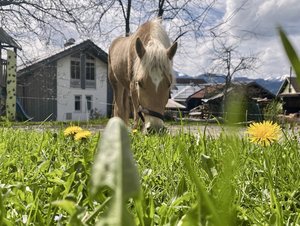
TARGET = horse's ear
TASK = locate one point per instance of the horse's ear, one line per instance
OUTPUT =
(172, 50)
(139, 47)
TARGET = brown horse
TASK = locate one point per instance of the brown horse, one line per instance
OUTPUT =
(140, 72)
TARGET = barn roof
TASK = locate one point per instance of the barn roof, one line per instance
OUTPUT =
(7, 41)
(208, 91)
(185, 91)
(214, 91)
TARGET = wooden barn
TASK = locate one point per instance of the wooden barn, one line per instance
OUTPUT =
(208, 101)
(68, 85)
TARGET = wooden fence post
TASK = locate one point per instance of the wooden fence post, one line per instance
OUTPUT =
(11, 85)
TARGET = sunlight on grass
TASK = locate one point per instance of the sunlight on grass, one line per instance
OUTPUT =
(186, 178)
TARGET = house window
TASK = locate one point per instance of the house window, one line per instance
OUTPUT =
(75, 74)
(90, 71)
(89, 102)
(77, 103)
(75, 69)
(83, 77)
(90, 74)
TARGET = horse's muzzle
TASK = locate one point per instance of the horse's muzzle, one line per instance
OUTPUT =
(153, 121)
(153, 124)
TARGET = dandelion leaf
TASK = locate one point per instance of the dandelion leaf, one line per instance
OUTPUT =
(117, 216)
(114, 167)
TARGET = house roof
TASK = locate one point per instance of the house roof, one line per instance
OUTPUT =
(289, 81)
(217, 95)
(185, 91)
(85, 46)
(7, 40)
(214, 91)
(208, 91)
(263, 91)
(173, 104)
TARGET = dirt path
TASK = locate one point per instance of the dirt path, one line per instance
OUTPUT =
(210, 130)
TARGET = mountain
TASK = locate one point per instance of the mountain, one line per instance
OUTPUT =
(212, 78)
(270, 84)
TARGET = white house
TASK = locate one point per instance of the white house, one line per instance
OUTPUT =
(69, 85)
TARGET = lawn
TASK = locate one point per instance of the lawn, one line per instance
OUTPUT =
(48, 178)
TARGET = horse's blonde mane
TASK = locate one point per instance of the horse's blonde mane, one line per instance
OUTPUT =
(156, 53)
(158, 32)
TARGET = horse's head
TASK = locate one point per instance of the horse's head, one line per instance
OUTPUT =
(153, 79)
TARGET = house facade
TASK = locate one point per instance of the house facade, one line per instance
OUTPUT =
(69, 85)
(289, 93)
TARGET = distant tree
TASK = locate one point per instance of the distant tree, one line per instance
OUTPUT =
(53, 22)
(45, 19)
(126, 14)
(228, 60)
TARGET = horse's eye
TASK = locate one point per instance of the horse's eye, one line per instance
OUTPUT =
(169, 83)
(140, 84)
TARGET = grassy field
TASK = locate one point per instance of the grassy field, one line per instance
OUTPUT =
(49, 177)
(184, 178)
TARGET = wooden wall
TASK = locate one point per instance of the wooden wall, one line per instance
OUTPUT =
(37, 93)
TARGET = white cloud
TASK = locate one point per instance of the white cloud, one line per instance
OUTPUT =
(262, 17)
(256, 22)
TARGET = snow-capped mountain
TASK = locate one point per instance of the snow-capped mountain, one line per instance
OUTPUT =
(270, 84)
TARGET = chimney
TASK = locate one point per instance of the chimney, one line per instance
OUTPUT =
(70, 42)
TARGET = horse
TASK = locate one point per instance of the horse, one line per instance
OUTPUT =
(141, 74)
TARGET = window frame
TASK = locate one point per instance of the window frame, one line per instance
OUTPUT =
(76, 102)
(90, 72)
(89, 103)
(75, 73)
(83, 77)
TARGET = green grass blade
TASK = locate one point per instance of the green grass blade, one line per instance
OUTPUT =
(67, 205)
(191, 217)
(291, 53)
(205, 197)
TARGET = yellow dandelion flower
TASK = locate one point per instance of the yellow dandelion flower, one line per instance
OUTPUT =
(72, 130)
(264, 133)
(134, 131)
(82, 135)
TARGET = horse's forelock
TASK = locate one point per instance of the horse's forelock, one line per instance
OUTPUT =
(155, 58)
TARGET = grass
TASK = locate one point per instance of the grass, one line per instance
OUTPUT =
(4, 122)
(186, 179)
(39, 168)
